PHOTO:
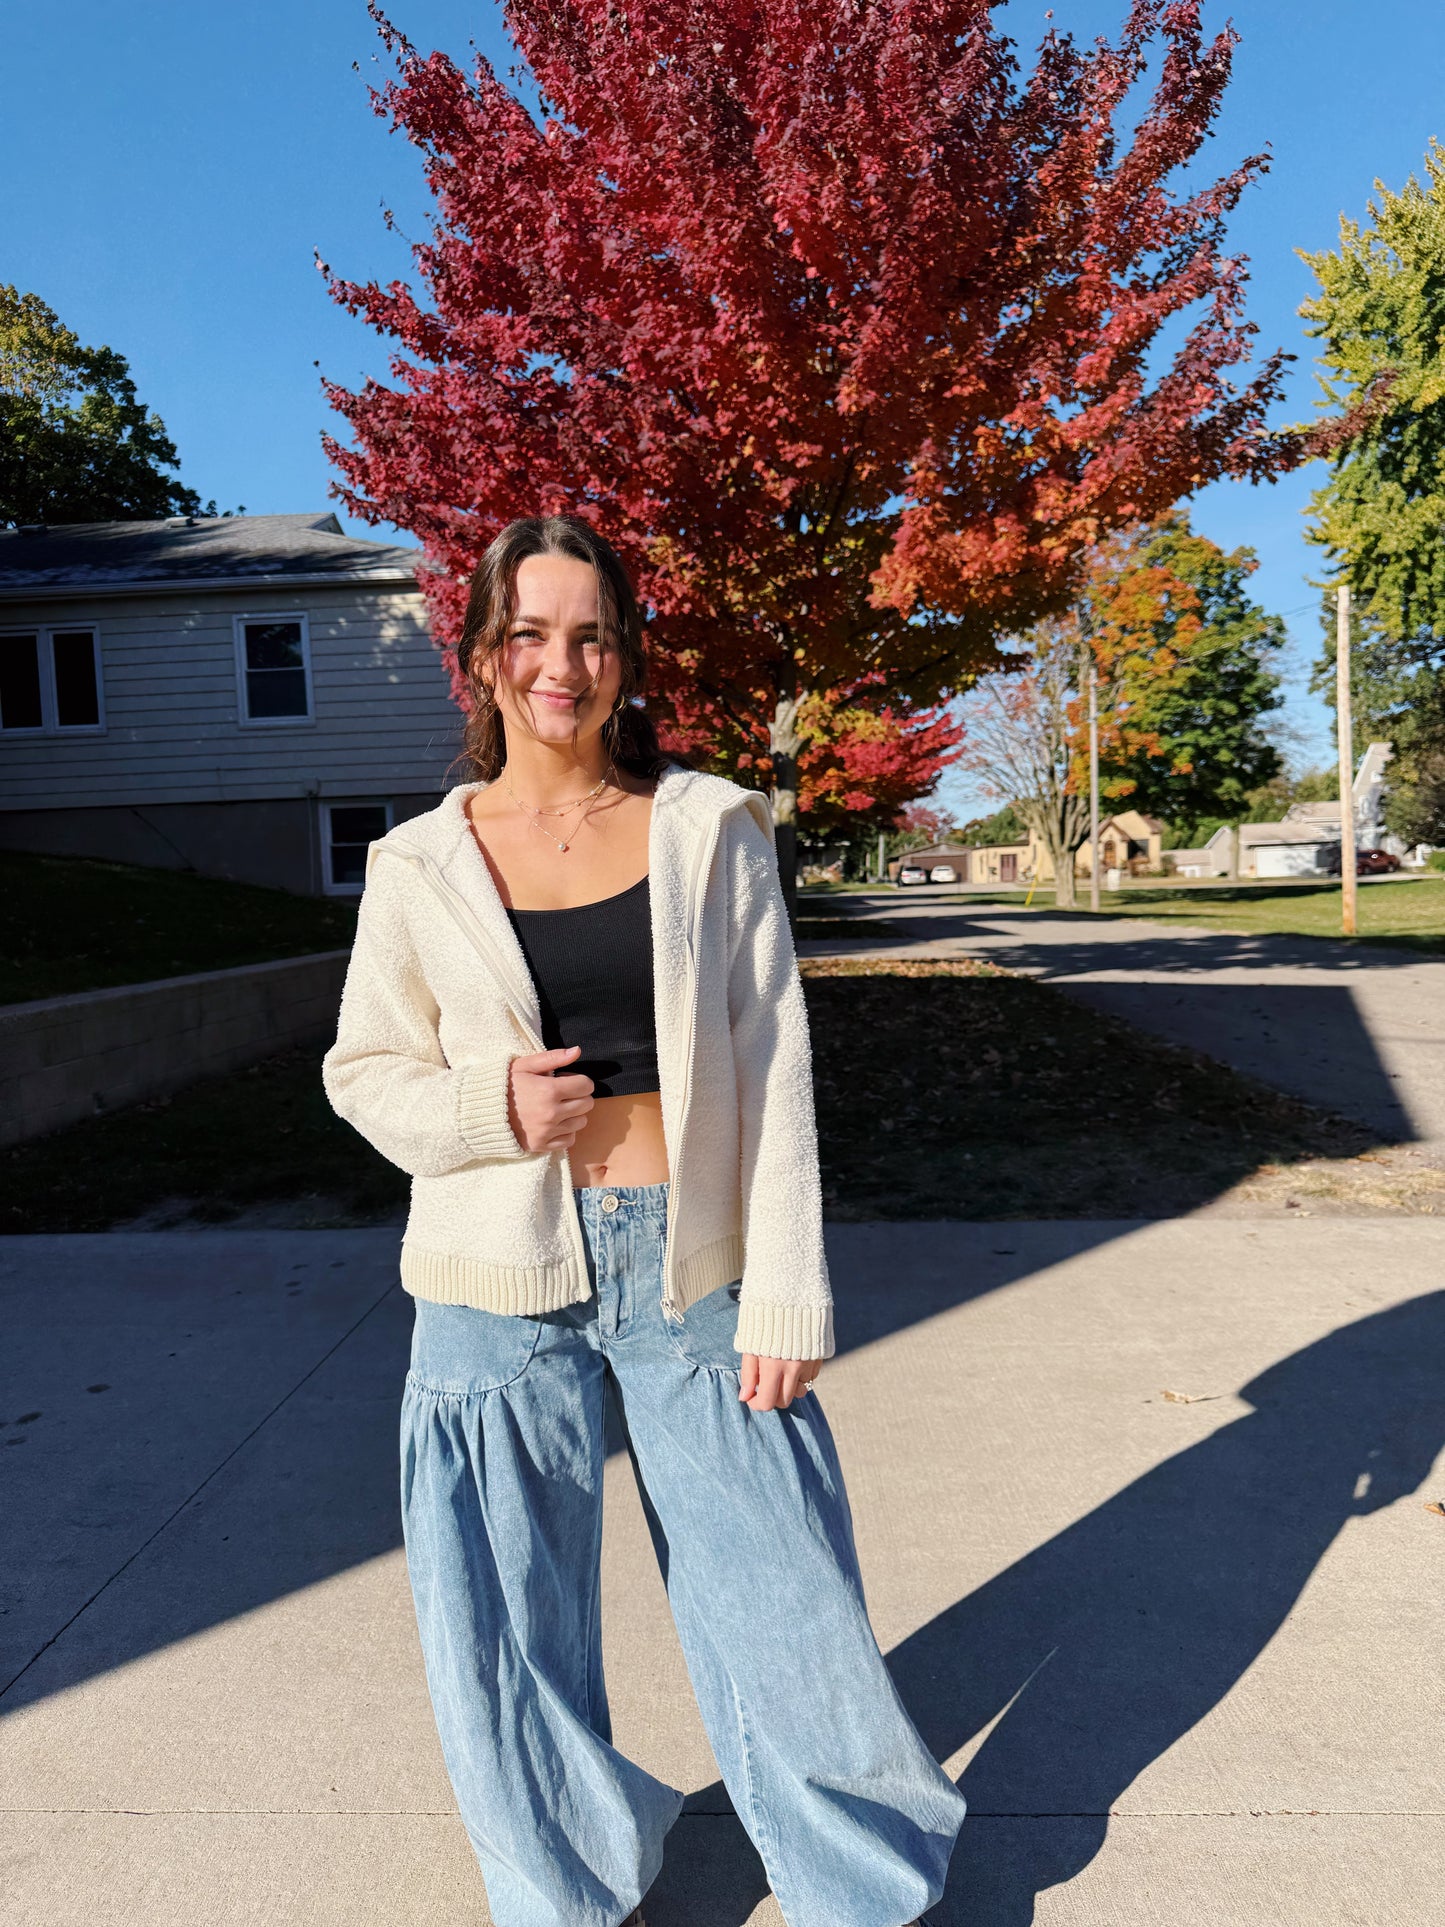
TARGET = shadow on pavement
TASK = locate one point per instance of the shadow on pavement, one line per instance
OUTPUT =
(1100, 1649)
(246, 1443)
(1115, 940)
(1115, 1638)
(1110, 1642)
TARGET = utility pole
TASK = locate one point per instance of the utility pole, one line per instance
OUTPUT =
(1347, 760)
(1093, 783)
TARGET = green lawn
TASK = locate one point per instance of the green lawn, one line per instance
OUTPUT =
(70, 924)
(1403, 910)
(1408, 911)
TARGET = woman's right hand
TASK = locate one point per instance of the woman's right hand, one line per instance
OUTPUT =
(546, 1112)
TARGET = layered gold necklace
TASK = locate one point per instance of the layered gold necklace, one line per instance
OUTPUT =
(565, 809)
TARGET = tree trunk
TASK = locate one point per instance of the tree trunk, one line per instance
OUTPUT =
(1063, 862)
(784, 743)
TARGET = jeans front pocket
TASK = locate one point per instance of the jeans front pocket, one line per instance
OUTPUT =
(458, 1351)
(705, 1336)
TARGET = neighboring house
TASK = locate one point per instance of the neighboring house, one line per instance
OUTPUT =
(988, 863)
(1305, 839)
(1216, 858)
(973, 862)
(254, 697)
(1128, 841)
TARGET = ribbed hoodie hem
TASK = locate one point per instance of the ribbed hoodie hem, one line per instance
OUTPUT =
(784, 1331)
(482, 1115)
(530, 1290)
(703, 1271)
(769, 1329)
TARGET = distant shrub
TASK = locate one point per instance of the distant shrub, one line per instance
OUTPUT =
(1435, 860)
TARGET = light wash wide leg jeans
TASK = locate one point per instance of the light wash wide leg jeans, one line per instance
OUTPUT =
(502, 1456)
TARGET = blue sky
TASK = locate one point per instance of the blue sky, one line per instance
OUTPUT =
(170, 170)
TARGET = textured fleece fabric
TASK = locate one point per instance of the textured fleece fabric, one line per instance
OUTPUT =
(438, 1000)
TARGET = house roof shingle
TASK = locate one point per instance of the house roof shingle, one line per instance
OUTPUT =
(194, 550)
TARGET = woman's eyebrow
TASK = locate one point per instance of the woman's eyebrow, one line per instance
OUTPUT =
(540, 622)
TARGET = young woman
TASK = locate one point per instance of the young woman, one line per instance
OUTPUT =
(573, 1013)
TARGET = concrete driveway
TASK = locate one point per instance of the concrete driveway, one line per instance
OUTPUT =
(1358, 1029)
(1141, 1509)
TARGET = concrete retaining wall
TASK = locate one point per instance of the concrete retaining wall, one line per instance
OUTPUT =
(66, 1058)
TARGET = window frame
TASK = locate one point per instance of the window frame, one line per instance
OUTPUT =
(329, 885)
(244, 718)
(50, 724)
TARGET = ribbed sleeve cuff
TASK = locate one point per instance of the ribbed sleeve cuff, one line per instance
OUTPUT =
(784, 1331)
(482, 1116)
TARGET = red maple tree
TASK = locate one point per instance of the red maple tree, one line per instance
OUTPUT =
(863, 758)
(832, 319)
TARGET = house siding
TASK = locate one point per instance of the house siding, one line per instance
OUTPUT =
(173, 732)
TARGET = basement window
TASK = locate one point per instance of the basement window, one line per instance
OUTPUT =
(350, 830)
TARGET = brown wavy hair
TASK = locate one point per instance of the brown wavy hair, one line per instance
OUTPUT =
(629, 734)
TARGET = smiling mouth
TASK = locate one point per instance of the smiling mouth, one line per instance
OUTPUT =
(557, 702)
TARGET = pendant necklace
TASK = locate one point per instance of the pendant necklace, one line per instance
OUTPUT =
(535, 813)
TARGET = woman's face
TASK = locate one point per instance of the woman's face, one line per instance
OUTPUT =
(552, 655)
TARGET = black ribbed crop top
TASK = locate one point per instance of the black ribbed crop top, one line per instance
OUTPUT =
(592, 966)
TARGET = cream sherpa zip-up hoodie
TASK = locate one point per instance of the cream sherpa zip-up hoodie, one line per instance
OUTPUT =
(438, 999)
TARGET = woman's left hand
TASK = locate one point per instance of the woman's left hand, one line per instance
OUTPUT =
(769, 1383)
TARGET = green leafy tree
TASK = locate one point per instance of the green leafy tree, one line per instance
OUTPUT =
(1196, 746)
(1003, 826)
(1379, 317)
(75, 443)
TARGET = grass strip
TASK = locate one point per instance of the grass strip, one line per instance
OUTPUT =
(72, 923)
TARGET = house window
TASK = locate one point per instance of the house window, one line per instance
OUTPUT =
(50, 680)
(273, 661)
(350, 828)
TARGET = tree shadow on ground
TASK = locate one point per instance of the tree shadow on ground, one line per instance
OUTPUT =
(1308, 1038)
(1107, 1644)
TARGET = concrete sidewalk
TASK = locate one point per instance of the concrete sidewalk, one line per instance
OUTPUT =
(1358, 1029)
(1141, 1511)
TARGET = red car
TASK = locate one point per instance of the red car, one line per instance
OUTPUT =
(1368, 863)
(1374, 863)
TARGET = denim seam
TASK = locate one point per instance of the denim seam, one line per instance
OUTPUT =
(481, 1391)
(595, 1574)
(765, 1838)
(700, 1365)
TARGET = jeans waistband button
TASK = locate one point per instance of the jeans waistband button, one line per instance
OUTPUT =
(611, 1201)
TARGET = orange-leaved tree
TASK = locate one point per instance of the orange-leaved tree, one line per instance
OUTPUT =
(1137, 626)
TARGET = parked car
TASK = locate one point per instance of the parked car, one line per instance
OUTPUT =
(943, 873)
(1368, 863)
(912, 873)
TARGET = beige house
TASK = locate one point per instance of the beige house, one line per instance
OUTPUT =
(974, 863)
(1129, 842)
